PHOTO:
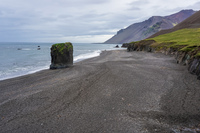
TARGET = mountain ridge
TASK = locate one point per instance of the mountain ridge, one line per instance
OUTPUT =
(191, 22)
(141, 30)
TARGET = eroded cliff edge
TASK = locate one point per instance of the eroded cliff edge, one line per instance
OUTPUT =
(185, 55)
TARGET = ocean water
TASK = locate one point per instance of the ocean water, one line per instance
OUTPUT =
(17, 59)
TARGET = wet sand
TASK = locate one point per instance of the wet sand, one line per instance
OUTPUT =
(119, 91)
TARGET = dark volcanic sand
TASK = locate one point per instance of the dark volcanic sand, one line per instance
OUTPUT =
(119, 91)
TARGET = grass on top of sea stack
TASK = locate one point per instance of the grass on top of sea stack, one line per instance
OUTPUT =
(61, 46)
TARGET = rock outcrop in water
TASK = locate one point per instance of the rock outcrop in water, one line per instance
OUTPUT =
(61, 55)
(125, 45)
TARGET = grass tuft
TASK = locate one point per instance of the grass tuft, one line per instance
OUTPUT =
(62, 46)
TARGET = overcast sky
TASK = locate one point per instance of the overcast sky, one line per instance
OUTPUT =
(78, 20)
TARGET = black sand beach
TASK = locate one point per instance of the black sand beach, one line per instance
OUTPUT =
(118, 92)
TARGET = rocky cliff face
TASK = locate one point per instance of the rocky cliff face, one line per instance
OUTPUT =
(194, 67)
(61, 55)
(145, 29)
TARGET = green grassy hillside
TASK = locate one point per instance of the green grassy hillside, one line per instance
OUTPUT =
(187, 40)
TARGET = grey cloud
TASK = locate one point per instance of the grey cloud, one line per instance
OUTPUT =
(42, 23)
(80, 3)
(135, 8)
(140, 2)
(97, 1)
(32, 20)
(136, 5)
(65, 16)
(92, 15)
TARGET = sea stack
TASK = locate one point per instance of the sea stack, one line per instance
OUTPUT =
(61, 55)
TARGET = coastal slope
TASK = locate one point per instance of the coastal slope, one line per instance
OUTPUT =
(143, 30)
(191, 22)
(116, 92)
(182, 41)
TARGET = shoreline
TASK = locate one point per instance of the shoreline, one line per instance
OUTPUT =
(46, 68)
(117, 91)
